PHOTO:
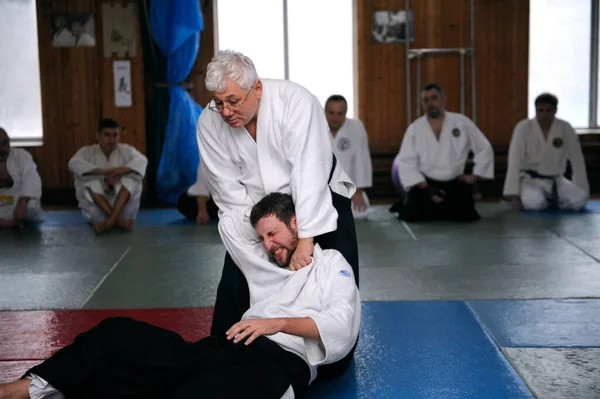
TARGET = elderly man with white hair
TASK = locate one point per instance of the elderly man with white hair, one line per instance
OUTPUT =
(259, 136)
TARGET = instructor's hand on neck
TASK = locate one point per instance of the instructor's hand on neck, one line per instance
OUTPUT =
(302, 255)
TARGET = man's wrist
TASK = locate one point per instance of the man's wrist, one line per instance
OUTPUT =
(309, 240)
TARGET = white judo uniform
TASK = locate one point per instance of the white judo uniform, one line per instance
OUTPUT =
(325, 291)
(423, 155)
(26, 183)
(91, 157)
(292, 154)
(351, 147)
(531, 151)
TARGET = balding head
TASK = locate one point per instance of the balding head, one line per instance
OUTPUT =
(4, 145)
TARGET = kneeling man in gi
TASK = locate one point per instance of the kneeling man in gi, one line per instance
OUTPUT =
(537, 160)
(432, 159)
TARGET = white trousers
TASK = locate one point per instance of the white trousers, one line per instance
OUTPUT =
(536, 193)
(34, 209)
(93, 213)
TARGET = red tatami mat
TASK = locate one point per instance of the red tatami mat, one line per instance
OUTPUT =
(34, 335)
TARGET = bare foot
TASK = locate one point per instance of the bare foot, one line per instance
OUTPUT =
(17, 390)
(126, 224)
(101, 227)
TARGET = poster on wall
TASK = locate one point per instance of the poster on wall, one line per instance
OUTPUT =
(389, 26)
(73, 30)
(119, 22)
(122, 78)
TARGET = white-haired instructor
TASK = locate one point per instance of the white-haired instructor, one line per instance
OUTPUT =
(260, 136)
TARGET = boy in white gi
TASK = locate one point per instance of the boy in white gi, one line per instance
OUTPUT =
(432, 160)
(259, 136)
(537, 159)
(108, 179)
(297, 320)
(20, 186)
(351, 147)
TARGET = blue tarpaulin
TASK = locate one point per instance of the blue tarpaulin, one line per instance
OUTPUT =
(176, 27)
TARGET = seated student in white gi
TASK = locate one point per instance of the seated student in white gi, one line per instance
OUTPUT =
(196, 204)
(297, 320)
(537, 159)
(260, 136)
(432, 159)
(20, 186)
(351, 147)
(108, 179)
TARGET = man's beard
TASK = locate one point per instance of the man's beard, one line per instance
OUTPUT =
(288, 256)
(434, 112)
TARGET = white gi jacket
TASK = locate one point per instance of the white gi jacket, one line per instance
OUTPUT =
(529, 150)
(351, 147)
(421, 154)
(26, 183)
(292, 154)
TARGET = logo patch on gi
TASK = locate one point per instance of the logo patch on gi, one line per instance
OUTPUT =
(557, 142)
(343, 144)
(455, 132)
(345, 273)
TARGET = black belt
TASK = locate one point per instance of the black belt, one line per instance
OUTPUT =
(536, 175)
(332, 168)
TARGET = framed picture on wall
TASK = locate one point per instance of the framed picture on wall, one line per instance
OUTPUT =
(73, 30)
(389, 26)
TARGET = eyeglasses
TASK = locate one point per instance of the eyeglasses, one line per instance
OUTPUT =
(230, 105)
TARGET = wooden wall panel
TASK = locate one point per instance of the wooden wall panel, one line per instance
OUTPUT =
(77, 90)
(501, 63)
(206, 52)
(501, 69)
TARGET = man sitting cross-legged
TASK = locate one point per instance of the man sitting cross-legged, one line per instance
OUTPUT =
(297, 320)
(108, 179)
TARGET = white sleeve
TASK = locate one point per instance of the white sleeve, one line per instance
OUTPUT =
(576, 158)
(408, 161)
(136, 161)
(79, 164)
(339, 321)
(516, 153)
(199, 188)
(482, 150)
(31, 184)
(242, 244)
(308, 151)
(363, 166)
(222, 175)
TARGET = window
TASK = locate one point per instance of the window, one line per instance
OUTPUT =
(559, 56)
(254, 28)
(20, 92)
(320, 44)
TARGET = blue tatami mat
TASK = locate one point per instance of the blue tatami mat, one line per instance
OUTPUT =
(424, 350)
(541, 323)
(593, 206)
(146, 217)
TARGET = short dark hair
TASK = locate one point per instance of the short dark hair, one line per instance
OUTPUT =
(432, 86)
(547, 98)
(108, 123)
(279, 204)
(336, 97)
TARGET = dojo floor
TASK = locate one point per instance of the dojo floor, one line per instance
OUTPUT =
(503, 308)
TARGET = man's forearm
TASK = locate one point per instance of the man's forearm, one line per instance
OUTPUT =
(201, 203)
(302, 327)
